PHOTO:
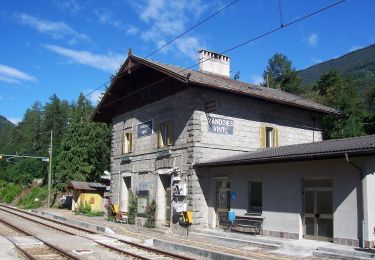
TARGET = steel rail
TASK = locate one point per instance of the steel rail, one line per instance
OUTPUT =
(143, 247)
(58, 249)
(27, 254)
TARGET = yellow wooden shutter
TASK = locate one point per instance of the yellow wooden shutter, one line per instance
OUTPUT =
(170, 133)
(130, 142)
(275, 137)
(159, 136)
(262, 136)
(122, 148)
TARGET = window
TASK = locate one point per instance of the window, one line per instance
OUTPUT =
(255, 196)
(269, 137)
(127, 142)
(165, 134)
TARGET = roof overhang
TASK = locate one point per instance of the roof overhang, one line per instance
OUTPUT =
(285, 159)
(130, 66)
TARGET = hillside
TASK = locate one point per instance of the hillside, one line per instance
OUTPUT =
(360, 64)
(4, 123)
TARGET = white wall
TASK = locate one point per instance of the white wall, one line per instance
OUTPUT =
(282, 193)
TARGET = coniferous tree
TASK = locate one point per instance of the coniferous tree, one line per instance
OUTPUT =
(84, 150)
(281, 74)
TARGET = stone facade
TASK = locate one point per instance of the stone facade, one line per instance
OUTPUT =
(149, 167)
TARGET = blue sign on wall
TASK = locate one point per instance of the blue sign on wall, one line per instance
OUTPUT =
(144, 129)
(220, 126)
(233, 195)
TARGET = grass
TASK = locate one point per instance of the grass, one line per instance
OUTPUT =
(34, 199)
(9, 192)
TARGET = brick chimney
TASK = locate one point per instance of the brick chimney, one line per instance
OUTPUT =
(214, 63)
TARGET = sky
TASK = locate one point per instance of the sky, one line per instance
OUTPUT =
(73, 46)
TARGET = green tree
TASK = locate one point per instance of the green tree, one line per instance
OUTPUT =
(281, 74)
(84, 149)
(338, 92)
(369, 121)
(56, 118)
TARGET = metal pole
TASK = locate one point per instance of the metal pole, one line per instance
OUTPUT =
(50, 173)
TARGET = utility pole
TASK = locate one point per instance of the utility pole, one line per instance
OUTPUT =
(50, 173)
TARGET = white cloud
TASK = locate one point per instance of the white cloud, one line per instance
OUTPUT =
(57, 30)
(131, 29)
(355, 47)
(14, 120)
(188, 46)
(13, 75)
(110, 62)
(257, 79)
(106, 16)
(312, 40)
(168, 19)
(71, 6)
(94, 96)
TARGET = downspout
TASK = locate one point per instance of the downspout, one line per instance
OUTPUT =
(361, 172)
(119, 190)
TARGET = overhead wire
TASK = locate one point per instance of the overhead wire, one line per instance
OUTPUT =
(227, 50)
(170, 42)
(173, 40)
(233, 48)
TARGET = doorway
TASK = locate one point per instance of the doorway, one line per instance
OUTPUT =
(124, 194)
(165, 198)
(222, 201)
(318, 210)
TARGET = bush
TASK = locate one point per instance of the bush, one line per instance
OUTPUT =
(85, 209)
(9, 192)
(151, 214)
(34, 199)
(133, 208)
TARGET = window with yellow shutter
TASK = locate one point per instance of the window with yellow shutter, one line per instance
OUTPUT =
(268, 136)
(165, 134)
(127, 142)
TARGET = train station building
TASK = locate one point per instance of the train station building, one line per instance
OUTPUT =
(172, 127)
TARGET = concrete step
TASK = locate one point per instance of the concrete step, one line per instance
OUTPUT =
(339, 253)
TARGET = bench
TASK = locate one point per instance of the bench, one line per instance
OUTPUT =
(247, 224)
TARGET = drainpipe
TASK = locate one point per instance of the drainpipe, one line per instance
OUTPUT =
(362, 244)
(119, 190)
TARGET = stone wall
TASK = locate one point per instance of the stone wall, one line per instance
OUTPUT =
(194, 143)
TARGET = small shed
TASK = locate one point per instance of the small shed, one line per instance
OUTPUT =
(91, 193)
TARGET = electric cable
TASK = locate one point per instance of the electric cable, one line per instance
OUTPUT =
(232, 48)
(173, 40)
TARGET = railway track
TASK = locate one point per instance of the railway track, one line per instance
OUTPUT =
(122, 246)
(37, 251)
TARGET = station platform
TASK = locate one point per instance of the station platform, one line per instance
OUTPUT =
(7, 250)
(209, 243)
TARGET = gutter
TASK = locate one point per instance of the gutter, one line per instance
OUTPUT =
(281, 159)
(362, 176)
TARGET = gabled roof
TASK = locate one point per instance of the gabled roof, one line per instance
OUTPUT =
(222, 83)
(307, 151)
(82, 185)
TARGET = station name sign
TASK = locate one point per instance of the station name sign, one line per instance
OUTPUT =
(220, 126)
(144, 129)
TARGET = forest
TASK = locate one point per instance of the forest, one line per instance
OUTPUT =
(80, 149)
